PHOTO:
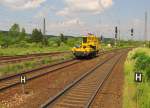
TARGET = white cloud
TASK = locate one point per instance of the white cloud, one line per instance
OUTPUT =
(106, 3)
(45, 11)
(71, 22)
(91, 6)
(67, 26)
(68, 23)
(21, 4)
(63, 12)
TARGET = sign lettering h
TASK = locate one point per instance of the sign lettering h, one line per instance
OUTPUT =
(23, 79)
(138, 77)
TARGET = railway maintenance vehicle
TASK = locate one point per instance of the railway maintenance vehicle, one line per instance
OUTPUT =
(89, 47)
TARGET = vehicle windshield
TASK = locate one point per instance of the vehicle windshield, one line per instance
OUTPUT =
(84, 39)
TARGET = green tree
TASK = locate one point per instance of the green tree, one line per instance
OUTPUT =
(13, 35)
(23, 34)
(45, 41)
(36, 36)
(1, 39)
(63, 38)
(58, 42)
(14, 30)
(71, 42)
(4, 40)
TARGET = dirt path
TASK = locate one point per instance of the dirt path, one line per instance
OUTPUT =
(111, 94)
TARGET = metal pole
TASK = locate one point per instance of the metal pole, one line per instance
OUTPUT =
(145, 32)
(44, 27)
(119, 32)
(119, 37)
(116, 35)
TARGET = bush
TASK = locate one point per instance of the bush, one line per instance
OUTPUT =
(22, 44)
(148, 73)
(138, 59)
(72, 42)
(138, 54)
(142, 62)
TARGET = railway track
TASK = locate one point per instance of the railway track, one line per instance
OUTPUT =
(81, 92)
(13, 80)
(18, 58)
(10, 81)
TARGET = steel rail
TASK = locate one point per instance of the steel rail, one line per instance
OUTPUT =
(102, 83)
(66, 89)
(36, 54)
(18, 58)
(3, 79)
(32, 72)
(47, 66)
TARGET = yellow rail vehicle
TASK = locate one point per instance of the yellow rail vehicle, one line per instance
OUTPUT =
(89, 48)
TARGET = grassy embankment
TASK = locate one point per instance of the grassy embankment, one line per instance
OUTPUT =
(27, 65)
(137, 95)
(30, 50)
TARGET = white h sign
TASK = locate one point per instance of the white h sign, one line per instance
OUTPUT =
(138, 77)
(23, 79)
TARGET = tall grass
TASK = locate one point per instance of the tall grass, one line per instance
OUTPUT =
(137, 95)
(30, 50)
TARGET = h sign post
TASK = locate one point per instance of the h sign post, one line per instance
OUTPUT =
(138, 77)
(23, 82)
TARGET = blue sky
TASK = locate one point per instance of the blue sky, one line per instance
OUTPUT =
(77, 17)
